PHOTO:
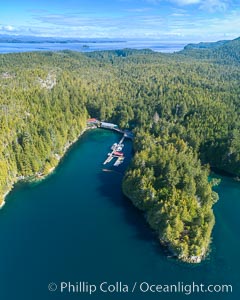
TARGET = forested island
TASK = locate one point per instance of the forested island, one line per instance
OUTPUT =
(183, 108)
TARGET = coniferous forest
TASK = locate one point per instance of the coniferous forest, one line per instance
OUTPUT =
(183, 108)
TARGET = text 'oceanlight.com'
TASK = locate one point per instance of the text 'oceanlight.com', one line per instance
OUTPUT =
(83, 287)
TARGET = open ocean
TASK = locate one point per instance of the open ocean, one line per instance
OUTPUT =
(157, 46)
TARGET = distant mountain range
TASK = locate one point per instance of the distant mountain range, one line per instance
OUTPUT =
(222, 51)
(34, 39)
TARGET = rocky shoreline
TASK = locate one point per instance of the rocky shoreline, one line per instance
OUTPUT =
(194, 259)
(40, 176)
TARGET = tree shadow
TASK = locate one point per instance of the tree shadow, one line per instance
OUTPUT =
(111, 189)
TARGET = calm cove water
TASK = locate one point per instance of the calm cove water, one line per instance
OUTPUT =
(77, 226)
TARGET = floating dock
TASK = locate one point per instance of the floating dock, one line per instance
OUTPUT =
(116, 148)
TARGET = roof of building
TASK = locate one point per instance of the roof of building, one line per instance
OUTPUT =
(92, 120)
(108, 124)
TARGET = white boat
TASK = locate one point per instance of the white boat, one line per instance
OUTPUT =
(114, 146)
(118, 161)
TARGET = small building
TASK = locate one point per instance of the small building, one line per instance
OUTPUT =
(108, 125)
(92, 121)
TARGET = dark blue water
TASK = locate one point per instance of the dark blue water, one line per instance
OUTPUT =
(97, 46)
(77, 226)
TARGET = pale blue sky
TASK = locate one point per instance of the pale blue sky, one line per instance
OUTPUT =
(167, 20)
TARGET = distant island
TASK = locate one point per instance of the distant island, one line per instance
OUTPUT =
(183, 109)
(204, 45)
(35, 39)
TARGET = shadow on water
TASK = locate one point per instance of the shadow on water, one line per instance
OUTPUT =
(111, 189)
(131, 214)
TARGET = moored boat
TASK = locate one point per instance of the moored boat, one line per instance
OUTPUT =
(117, 153)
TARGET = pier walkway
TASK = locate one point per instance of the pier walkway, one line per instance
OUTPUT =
(126, 133)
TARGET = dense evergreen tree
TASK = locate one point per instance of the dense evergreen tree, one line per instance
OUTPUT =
(182, 107)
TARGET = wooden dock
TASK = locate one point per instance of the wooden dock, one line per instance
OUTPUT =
(110, 157)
